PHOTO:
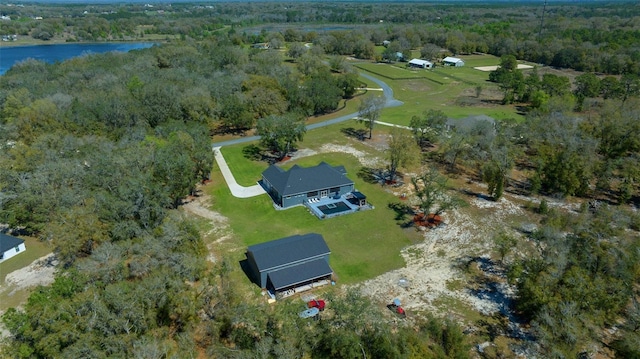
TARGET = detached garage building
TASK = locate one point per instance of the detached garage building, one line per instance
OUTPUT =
(421, 64)
(452, 61)
(10, 246)
(289, 265)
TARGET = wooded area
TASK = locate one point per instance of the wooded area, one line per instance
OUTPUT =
(99, 152)
(588, 37)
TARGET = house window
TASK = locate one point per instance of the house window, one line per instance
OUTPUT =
(17, 249)
(1, 256)
(312, 194)
(335, 190)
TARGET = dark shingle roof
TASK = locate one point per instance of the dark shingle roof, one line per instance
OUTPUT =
(300, 273)
(359, 195)
(288, 250)
(7, 242)
(301, 180)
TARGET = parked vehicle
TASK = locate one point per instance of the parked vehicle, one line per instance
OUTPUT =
(316, 303)
(309, 313)
(396, 307)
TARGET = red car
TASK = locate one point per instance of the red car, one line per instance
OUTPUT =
(316, 303)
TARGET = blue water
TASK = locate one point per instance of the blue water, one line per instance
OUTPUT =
(9, 55)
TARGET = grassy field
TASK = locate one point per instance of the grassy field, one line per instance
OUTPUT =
(394, 71)
(449, 89)
(363, 244)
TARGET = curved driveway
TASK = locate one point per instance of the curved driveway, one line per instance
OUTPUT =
(236, 189)
(245, 192)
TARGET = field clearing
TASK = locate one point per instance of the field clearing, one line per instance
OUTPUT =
(450, 89)
(493, 68)
(420, 95)
(390, 71)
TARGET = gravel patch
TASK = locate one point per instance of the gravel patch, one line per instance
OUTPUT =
(433, 265)
(40, 272)
(364, 158)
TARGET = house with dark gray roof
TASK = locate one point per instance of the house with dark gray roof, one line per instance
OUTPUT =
(291, 263)
(300, 184)
(10, 246)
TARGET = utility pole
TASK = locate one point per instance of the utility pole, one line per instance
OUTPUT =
(544, 8)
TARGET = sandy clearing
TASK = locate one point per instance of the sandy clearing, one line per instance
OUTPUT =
(219, 224)
(493, 68)
(434, 264)
(364, 158)
(39, 272)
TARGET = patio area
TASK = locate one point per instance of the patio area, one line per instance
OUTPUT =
(329, 207)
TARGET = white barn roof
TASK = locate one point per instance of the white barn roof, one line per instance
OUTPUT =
(453, 60)
(422, 63)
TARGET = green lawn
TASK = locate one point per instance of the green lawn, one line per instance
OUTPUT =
(440, 89)
(363, 244)
(389, 71)
(35, 249)
(246, 172)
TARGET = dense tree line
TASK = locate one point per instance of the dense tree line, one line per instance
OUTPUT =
(566, 154)
(69, 139)
(581, 276)
(590, 38)
(537, 90)
(583, 279)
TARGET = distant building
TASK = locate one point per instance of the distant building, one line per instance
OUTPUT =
(423, 64)
(290, 264)
(261, 46)
(10, 246)
(452, 61)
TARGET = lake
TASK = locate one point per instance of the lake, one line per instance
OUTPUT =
(9, 55)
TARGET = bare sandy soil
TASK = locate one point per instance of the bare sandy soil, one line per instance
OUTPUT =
(493, 68)
(40, 272)
(220, 230)
(435, 265)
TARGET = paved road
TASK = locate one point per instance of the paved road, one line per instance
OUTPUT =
(390, 102)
